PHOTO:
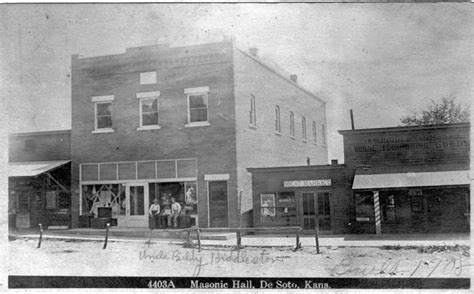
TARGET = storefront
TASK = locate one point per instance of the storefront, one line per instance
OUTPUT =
(425, 202)
(305, 196)
(122, 192)
(39, 193)
(410, 179)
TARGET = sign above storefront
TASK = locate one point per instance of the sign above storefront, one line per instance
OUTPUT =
(307, 183)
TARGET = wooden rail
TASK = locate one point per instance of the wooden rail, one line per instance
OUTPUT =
(239, 231)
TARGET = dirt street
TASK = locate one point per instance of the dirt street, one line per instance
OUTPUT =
(87, 258)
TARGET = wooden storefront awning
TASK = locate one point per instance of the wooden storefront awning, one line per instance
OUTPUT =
(33, 168)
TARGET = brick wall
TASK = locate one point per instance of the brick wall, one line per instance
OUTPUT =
(260, 146)
(213, 145)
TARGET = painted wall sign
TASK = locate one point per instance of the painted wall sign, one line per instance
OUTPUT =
(307, 183)
(157, 64)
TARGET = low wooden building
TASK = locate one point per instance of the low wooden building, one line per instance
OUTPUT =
(39, 179)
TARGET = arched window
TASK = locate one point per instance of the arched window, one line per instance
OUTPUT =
(323, 134)
(253, 111)
(315, 132)
(277, 119)
(303, 127)
(292, 124)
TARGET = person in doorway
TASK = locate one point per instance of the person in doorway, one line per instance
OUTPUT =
(154, 212)
(175, 210)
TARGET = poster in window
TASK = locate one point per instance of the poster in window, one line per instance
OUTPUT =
(268, 204)
(51, 200)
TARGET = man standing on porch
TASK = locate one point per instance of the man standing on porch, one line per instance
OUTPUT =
(154, 211)
(175, 210)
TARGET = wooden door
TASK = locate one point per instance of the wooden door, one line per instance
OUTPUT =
(218, 204)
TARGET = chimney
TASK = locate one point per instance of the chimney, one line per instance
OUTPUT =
(253, 51)
(308, 161)
(333, 161)
(294, 78)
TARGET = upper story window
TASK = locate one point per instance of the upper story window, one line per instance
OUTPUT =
(323, 133)
(277, 119)
(292, 124)
(315, 132)
(103, 112)
(148, 110)
(30, 146)
(198, 111)
(252, 112)
(303, 127)
(147, 78)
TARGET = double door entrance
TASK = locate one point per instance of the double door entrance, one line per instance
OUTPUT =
(316, 210)
(134, 206)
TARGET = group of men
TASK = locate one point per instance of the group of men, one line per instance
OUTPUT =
(172, 211)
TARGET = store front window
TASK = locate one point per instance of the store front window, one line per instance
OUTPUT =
(364, 206)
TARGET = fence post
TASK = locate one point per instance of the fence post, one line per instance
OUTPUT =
(41, 234)
(199, 239)
(107, 226)
(149, 240)
(239, 240)
(298, 244)
(316, 231)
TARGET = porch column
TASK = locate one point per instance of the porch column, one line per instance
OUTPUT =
(378, 227)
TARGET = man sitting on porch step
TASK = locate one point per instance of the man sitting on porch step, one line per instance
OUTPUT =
(175, 210)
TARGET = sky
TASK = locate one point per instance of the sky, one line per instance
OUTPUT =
(381, 60)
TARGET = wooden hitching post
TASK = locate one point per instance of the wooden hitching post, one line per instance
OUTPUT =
(41, 234)
(107, 226)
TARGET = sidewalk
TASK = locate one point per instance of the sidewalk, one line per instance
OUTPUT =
(228, 239)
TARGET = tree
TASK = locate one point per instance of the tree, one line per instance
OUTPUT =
(444, 112)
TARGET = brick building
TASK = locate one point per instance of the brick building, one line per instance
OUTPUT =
(158, 122)
(394, 180)
(39, 182)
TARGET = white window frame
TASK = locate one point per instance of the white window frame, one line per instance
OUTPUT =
(102, 100)
(197, 91)
(146, 96)
(140, 78)
(292, 125)
(303, 129)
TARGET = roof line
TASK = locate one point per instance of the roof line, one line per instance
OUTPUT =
(400, 128)
(281, 75)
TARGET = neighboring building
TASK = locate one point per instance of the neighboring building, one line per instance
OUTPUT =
(303, 196)
(39, 184)
(394, 180)
(159, 122)
(410, 179)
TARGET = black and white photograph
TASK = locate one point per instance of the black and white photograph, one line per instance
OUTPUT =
(243, 146)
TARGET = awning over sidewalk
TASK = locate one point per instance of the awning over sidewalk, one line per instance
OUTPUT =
(33, 168)
(418, 179)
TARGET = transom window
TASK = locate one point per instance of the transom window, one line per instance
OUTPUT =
(292, 124)
(198, 111)
(147, 78)
(277, 119)
(303, 127)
